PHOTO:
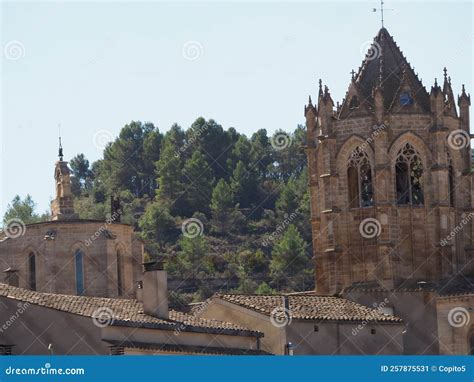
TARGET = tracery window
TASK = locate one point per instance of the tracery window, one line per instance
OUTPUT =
(409, 176)
(359, 177)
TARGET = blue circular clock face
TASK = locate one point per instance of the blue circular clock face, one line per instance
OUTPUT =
(405, 99)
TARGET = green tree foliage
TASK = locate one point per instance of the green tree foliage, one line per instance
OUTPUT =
(290, 262)
(240, 188)
(24, 210)
(224, 214)
(169, 171)
(244, 185)
(193, 259)
(158, 226)
(198, 183)
(129, 161)
(81, 174)
(264, 288)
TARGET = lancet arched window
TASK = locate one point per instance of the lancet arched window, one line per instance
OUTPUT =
(32, 271)
(359, 179)
(79, 267)
(409, 176)
(450, 180)
(120, 273)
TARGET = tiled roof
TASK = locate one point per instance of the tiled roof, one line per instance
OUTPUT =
(387, 55)
(454, 286)
(189, 349)
(126, 312)
(309, 307)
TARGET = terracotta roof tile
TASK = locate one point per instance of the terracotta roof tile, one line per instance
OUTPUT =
(189, 349)
(310, 307)
(453, 286)
(126, 312)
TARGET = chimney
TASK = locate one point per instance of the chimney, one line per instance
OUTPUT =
(155, 290)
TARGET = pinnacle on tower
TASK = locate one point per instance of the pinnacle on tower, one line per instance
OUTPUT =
(60, 151)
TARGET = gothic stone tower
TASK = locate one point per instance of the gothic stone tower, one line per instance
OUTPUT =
(390, 178)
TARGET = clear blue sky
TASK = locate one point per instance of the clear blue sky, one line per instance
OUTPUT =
(93, 66)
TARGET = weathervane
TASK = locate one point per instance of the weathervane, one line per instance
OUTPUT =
(382, 10)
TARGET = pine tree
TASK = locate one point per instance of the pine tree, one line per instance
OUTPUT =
(24, 210)
(169, 171)
(198, 182)
(290, 264)
(222, 207)
(244, 185)
(157, 225)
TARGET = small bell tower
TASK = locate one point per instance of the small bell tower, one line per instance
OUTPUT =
(62, 207)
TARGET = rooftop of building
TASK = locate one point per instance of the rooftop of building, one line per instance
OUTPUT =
(309, 306)
(118, 346)
(454, 286)
(123, 312)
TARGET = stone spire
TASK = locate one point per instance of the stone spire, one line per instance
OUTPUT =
(449, 102)
(62, 207)
(382, 68)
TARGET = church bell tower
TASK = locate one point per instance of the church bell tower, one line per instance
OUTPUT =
(62, 207)
(392, 201)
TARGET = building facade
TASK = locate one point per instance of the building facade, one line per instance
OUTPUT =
(392, 198)
(308, 324)
(390, 177)
(69, 255)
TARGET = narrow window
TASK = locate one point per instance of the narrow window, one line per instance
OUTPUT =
(366, 193)
(79, 263)
(450, 180)
(353, 187)
(409, 176)
(403, 185)
(32, 271)
(119, 273)
(359, 180)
